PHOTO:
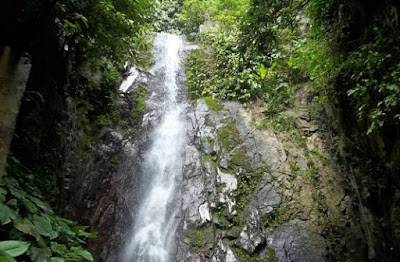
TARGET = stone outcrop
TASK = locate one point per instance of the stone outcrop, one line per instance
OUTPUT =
(241, 200)
(247, 193)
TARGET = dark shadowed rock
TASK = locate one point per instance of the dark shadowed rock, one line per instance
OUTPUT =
(292, 242)
(266, 200)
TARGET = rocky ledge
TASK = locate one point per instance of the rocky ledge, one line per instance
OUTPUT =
(244, 200)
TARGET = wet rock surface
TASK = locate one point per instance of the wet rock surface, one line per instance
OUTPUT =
(105, 190)
(240, 198)
(249, 221)
(292, 242)
(247, 193)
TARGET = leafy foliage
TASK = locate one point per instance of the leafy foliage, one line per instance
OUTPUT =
(139, 108)
(166, 15)
(223, 73)
(196, 12)
(112, 29)
(13, 248)
(359, 57)
(29, 227)
(264, 21)
(374, 74)
(199, 74)
(236, 69)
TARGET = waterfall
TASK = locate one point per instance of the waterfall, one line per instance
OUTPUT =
(152, 238)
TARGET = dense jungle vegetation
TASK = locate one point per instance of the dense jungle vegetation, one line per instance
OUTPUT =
(258, 52)
(345, 53)
(61, 37)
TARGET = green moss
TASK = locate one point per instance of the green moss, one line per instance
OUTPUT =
(198, 238)
(213, 104)
(219, 188)
(239, 158)
(139, 108)
(294, 167)
(240, 219)
(281, 215)
(232, 170)
(208, 121)
(210, 159)
(228, 135)
(243, 256)
(209, 142)
(235, 231)
(220, 218)
(279, 122)
(270, 255)
(247, 183)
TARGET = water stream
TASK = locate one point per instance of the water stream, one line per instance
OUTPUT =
(155, 222)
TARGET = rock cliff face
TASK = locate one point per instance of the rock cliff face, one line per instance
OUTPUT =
(105, 184)
(242, 201)
(246, 193)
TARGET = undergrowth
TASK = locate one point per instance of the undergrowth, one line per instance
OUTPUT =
(30, 230)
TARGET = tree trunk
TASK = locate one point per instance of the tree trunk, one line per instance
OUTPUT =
(14, 73)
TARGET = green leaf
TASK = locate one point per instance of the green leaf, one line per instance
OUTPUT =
(82, 18)
(353, 91)
(3, 193)
(4, 257)
(44, 206)
(43, 226)
(26, 226)
(12, 202)
(58, 248)
(39, 254)
(392, 87)
(88, 234)
(262, 72)
(83, 253)
(17, 192)
(6, 214)
(14, 248)
(255, 76)
(31, 207)
(57, 259)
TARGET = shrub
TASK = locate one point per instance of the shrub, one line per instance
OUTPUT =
(30, 228)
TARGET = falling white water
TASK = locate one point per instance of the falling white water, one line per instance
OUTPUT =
(153, 234)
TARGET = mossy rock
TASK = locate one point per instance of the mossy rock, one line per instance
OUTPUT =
(200, 239)
(210, 159)
(139, 108)
(213, 104)
(239, 159)
(228, 135)
(243, 256)
(221, 220)
(209, 121)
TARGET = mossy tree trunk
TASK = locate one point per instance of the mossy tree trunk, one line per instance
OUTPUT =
(14, 73)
